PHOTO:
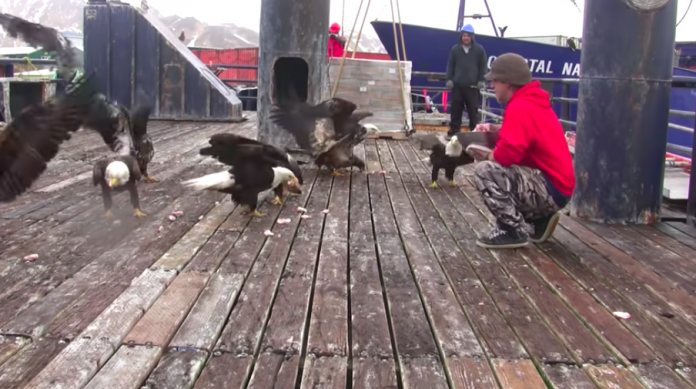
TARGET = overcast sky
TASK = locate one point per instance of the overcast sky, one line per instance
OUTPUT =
(523, 17)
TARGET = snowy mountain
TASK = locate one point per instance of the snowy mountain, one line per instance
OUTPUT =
(67, 15)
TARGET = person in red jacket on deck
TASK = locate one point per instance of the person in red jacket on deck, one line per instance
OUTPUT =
(336, 42)
(528, 177)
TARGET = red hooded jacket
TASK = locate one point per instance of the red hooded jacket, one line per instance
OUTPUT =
(532, 136)
(335, 48)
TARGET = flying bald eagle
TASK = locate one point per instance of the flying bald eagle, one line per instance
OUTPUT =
(32, 138)
(37, 35)
(125, 132)
(327, 131)
(116, 174)
(447, 156)
(257, 170)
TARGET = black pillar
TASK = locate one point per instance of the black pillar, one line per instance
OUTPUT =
(292, 59)
(623, 111)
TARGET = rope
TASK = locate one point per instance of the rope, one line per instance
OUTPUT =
(343, 59)
(398, 65)
(355, 49)
(401, 30)
(29, 63)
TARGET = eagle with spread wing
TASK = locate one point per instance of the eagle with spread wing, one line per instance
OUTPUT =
(327, 131)
(125, 132)
(38, 35)
(257, 170)
(33, 138)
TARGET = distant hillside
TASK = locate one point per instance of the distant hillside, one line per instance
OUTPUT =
(67, 15)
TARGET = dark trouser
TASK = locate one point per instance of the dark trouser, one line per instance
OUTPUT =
(463, 97)
(513, 194)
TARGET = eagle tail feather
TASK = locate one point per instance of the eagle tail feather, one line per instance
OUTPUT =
(215, 181)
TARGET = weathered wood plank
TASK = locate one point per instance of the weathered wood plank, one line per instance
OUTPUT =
(452, 328)
(224, 370)
(537, 338)
(371, 373)
(162, 319)
(214, 251)
(74, 366)
(127, 369)
(607, 284)
(324, 372)
(17, 372)
(372, 164)
(601, 320)
(275, 371)
(204, 323)
(36, 319)
(285, 328)
(496, 335)
(369, 326)
(116, 321)
(667, 241)
(609, 376)
(245, 325)
(423, 372)
(186, 248)
(10, 345)
(471, 373)
(568, 377)
(578, 339)
(520, 374)
(676, 234)
(413, 338)
(178, 369)
(659, 376)
(328, 326)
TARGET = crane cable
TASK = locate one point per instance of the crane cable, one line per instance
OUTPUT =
(397, 37)
(343, 59)
(398, 62)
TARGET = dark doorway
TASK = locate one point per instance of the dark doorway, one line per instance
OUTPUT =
(24, 94)
(290, 80)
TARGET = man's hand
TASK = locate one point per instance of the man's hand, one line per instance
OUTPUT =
(479, 155)
(449, 85)
(487, 127)
(481, 85)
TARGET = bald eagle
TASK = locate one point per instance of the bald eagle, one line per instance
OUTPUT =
(257, 171)
(327, 131)
(32, 138)
(116, 174)
(444, 155)
(125, 132)
(37, 35)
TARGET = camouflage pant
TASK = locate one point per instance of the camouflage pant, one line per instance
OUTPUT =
(513, 194)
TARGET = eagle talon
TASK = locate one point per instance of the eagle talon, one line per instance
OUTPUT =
(138, 213)
(108, 214)
(277, 201)
(336, 173)
(453, 184)
(434, 185)
(257, 213)
(150, 179)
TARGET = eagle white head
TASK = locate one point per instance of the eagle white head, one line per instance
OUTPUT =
(116, 174)
(285, 177)
(453, 147)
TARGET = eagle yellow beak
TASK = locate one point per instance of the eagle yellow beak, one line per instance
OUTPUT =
(294, 185)
(113, 182)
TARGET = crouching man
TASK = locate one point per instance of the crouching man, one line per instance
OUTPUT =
(528, 177)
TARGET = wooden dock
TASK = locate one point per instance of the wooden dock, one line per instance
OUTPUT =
(385, 290)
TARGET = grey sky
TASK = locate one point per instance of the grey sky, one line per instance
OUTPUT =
(524, 17)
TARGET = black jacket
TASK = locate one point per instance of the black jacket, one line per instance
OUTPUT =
(467, 69)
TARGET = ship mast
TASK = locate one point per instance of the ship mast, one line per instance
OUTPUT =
(461, 16)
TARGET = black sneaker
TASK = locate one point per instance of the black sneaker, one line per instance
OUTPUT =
(503, 238)
(544, 228)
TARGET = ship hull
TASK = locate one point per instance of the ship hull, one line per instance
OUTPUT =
(428, 49)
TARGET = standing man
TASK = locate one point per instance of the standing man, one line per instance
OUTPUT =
(336, 42)
(466, 67)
